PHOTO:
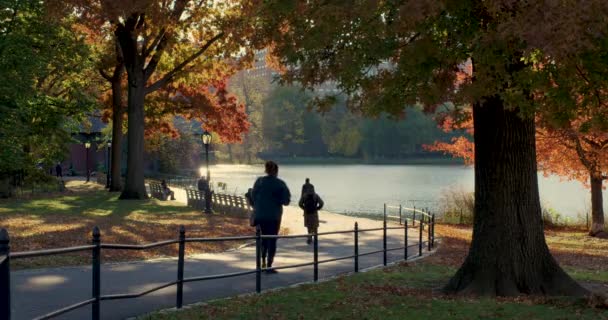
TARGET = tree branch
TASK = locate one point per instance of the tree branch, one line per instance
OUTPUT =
(595, 91)
(154, 44)
(169, 76)
(160, 49)
(581, 152)
(105, 75)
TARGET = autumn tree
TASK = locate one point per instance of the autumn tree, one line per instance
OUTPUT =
(47, 89)
(583, 156)
(570, 151)
(251, 90)
(111, 68)
(386, 55)
(162, 43)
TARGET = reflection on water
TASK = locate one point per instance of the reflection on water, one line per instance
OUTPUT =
(364, 188)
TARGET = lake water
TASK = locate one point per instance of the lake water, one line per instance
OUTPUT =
(365, 188)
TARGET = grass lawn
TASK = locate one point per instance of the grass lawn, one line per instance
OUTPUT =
(66, 219)
(412, 290)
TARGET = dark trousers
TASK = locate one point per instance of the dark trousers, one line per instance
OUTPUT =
(269, 246)
(311, 230)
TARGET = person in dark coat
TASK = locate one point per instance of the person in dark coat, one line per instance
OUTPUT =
(168, 193)
(59, 170)
(311, 203)
(203, 186)
(307, 187)
(269, 195)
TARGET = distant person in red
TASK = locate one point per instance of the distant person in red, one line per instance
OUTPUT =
(269, 195)
(311, 203)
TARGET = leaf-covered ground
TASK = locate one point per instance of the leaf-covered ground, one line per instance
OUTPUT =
(62, 220)
(412, 290)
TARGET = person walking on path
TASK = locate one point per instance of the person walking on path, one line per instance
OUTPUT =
(307, 187)
(59, 171)
(269, 195)
(203, 186)
(311, 203)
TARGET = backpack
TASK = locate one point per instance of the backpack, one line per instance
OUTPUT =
(310, 203)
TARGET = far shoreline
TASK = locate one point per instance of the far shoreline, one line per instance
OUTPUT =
(352, 161)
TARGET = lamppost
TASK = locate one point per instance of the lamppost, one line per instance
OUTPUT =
(206, 137)
(108, 164)
(87, 146)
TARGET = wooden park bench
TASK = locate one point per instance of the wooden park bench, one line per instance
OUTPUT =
(220, 202)
(156, 191)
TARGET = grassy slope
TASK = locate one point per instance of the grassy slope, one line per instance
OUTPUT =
(63, 220)
(411, 291)
(400, 292)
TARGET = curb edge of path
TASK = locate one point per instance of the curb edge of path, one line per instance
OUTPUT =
(295, 285)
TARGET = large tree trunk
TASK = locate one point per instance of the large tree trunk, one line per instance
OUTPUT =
(135, 187)
(508, 254)
(117, 119)
(597, 206)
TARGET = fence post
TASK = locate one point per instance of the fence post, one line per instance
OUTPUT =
(414, 217)
(420, 239)
(258, 260)
(400, 215)
(356, 247)
(433, 228)
(384, 241)
(315, 243)
(429, 227)
(180, 267)
(5, 276)
(461, 218)
(96, 274)
(405, 240)
(385, 211)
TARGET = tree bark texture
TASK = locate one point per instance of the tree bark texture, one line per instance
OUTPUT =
(117, 120)
(508, 254)
(597, 206)
(135, 187)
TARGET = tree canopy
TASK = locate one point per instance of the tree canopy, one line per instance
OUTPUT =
(386, 55)
(46, 90)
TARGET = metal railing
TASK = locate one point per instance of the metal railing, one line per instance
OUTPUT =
(97, 246)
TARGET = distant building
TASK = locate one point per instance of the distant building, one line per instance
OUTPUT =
(76, 159)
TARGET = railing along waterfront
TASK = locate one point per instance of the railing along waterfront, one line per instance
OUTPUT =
(96, 247)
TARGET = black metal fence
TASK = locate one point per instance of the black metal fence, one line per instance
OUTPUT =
(96, 247)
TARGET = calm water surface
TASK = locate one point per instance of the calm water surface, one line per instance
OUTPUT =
(365, 188)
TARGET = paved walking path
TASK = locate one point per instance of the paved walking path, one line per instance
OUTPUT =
(35, 292)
